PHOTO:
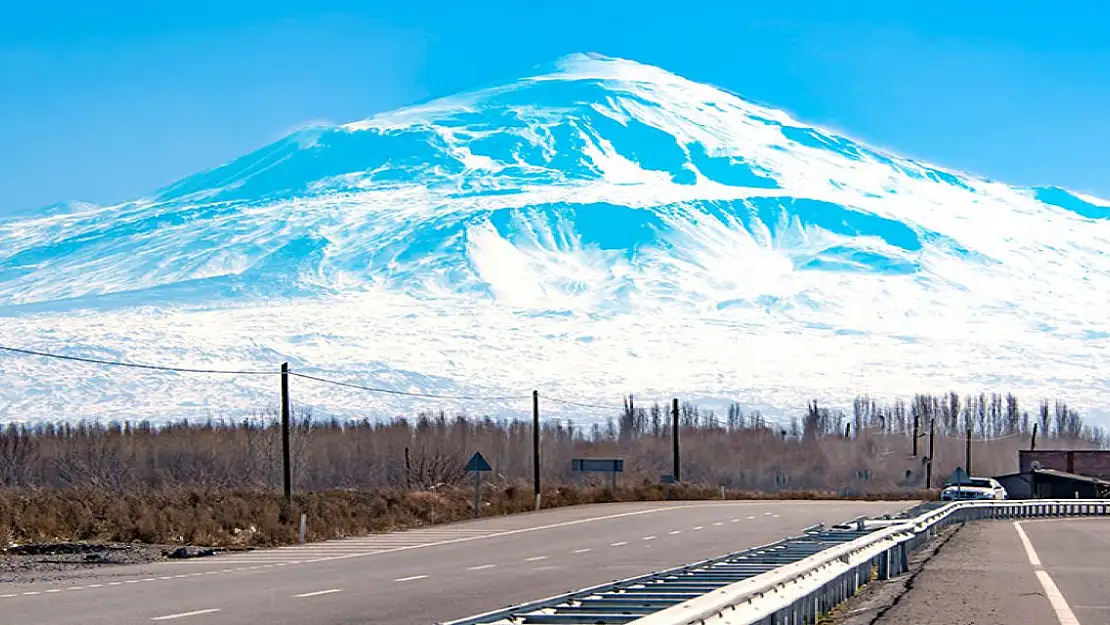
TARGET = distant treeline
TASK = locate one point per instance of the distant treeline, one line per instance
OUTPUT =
(740, 449)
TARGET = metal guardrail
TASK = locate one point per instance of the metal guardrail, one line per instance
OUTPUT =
(799, 593)
(791, 582)
(627, 600)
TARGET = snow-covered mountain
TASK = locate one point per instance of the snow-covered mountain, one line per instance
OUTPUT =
(599, 228)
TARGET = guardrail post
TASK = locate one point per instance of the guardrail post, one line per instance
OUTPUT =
(884, 565)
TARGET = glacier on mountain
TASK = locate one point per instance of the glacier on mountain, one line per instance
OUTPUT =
(600, 228)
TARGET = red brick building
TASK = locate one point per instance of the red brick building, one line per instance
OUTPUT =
(1089, 462)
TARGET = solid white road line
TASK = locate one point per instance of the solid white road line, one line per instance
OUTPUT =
(410, 579)
(1029, 551)
(330, 591)
(170, 617)
(1055, 597)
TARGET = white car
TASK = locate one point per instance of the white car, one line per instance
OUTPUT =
(974, 488)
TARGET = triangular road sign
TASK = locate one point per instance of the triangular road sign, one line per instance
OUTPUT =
(478, 463)
(959, 476)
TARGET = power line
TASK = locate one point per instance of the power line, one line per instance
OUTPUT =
(132, 365)
(581, 404)
(372, 389)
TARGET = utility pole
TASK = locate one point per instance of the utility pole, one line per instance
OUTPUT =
(674, 437)
(286, 473)
(536, 444)
(929, 466)
(967, 454)
(915, 426)
(848, 430)
(1033, 441)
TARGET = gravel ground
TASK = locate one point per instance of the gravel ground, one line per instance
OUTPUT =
(42, 562)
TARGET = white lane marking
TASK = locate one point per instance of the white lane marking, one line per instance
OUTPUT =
(619, 544)
(648, 538)
(53, 590)
(535, 558)
(31, 593)
(76, 588)
(774, 516)
(719, 523)
(480, 567)
(1030, 553)
(675, 532)
(170, 617)
(522, 530)
(766, 514)
(7, 596)
(96, 585)
(698, 528)
(1051, 591)
(410, 579)
(581, 550)
(329, 591)
(734, 520)
(751, 517)
(1056, 598)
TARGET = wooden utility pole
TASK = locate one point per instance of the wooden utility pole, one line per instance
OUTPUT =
(286, 472)
(915, 429)
(674, 437)
(1033, 441)
(929, 465)
(536, 444)
(967, 454)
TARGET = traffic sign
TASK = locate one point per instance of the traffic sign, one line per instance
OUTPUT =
(478, 463)
(959, 476)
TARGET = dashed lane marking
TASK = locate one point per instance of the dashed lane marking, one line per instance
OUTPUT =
(330, 591)
(535, 558)
(171, 617)
(582, 550)
(620, 544)
(411, 578)
(480, 567)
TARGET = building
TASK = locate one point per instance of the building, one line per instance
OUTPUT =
(1053, 484)
(1089, 462)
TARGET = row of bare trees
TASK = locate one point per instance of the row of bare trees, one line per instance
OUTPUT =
(741, 450)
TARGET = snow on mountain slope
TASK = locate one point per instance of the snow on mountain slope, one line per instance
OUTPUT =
(602, 227)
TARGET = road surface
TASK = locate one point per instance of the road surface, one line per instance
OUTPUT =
(1051, 571)
(422, 576)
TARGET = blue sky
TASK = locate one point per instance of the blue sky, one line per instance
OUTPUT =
(108, 100)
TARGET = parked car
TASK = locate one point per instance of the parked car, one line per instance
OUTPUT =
(974, 488)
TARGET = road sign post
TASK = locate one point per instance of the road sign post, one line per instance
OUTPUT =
(476, 465)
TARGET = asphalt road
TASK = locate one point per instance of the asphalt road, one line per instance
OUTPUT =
(422, 576)
(988, 575)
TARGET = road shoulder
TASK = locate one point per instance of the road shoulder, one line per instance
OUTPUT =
(976, 573)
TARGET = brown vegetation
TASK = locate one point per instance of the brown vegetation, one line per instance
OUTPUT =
(218, 483)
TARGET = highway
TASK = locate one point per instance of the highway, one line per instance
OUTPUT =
(993, 573)
(422, 576)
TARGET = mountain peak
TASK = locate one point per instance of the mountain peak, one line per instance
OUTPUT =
(585, 210)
